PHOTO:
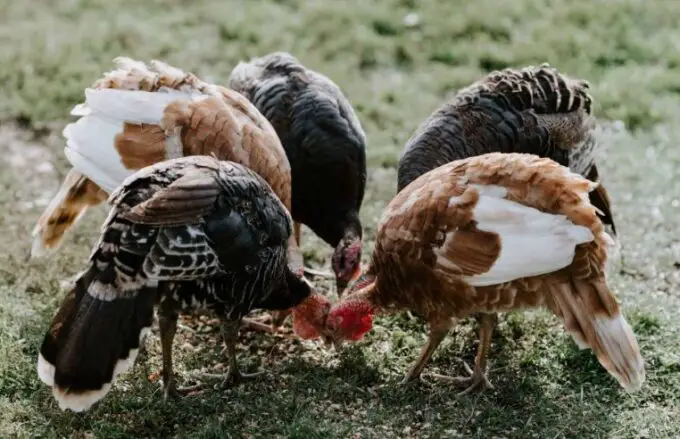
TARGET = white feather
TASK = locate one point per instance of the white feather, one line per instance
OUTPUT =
(532, 242)
(618, 341)
(90, 141)
(131, 105)
(90, 149)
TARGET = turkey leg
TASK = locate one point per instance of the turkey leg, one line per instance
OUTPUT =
(167, 323)
(230, 330)
(477, 378)
(438, 331)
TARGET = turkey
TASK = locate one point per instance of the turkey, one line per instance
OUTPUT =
(325, 145)
(190, 233)
(138, 115)
(535, 110)
(493, 233)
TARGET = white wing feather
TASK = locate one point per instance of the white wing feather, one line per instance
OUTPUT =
(532, 242)
(90, 140)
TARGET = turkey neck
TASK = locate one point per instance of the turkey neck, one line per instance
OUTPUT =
(333, 232)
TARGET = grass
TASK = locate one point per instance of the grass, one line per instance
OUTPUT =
(395, 71)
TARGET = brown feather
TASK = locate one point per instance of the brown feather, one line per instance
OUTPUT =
(140, 145)
(427, 242)
(184, 201)
(77, 193)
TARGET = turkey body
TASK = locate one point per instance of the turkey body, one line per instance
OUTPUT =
(325, 145)
(185, 234)
(494, 233)
(534, 110)
(138, 115)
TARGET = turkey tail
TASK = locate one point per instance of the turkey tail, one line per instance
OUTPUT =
(158, 77)
(95, 336)
(591, 314)
(542, 89)
(75, 195)
(561, 105)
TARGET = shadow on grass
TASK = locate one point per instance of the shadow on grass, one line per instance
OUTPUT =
(543, 385)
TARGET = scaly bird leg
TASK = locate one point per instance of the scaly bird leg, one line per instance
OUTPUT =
(167, 323)
(437, 333)
(230, 330)
(298, 232)
(258, 324)
(477, 378)
(278, 317)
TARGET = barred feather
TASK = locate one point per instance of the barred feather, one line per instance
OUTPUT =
(535, 110)
(217, 240)
(324, 142)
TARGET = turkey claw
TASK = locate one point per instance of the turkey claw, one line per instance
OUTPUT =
(174, 393)
(232, 377)
(477, 380)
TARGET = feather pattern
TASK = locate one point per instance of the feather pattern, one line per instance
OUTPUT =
(495, 233)
(535, 110)
(195, 232)
(138, 115)
(321, 135)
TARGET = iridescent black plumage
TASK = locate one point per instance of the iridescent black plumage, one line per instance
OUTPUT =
(189, 233)
(324, 142)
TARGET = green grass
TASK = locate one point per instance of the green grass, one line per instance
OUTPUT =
(395, 75)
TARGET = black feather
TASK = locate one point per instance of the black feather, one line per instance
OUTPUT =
(321, 135)
(231, 261)
(535, 110)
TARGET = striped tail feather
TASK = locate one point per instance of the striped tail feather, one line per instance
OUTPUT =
(94, 337)
(542, 89)
(562, 105)
(68, 206)
(592, 316)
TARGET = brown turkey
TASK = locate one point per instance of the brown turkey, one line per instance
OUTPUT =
(187, 234)
(534, 110)
(489, 234)
(326, 147)
(138, 115)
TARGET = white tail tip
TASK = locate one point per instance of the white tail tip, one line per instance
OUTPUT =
(45, 371)
(620, 346)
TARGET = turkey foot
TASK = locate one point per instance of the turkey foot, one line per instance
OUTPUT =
(476, 380)
(318, 273)
(230, 334)
(167, 323)
(233, 377)
(171, 391)
(259, 323)
(438, 331)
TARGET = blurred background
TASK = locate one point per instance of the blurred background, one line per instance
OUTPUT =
(397, 61)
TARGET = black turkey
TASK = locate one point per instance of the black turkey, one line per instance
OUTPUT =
(192, 233)
(325, 145)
